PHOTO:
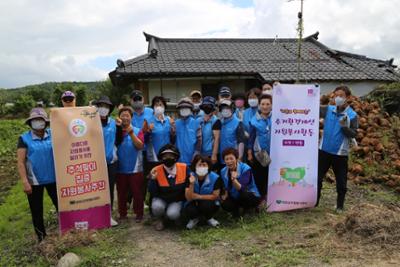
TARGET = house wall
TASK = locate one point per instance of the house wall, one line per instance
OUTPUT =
(176, 89)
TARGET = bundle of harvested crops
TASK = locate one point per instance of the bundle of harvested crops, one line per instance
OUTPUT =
(371, 224)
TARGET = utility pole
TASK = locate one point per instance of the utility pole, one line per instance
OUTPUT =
(300, 30)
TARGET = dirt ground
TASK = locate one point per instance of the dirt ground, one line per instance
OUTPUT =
(165, 249)
(359, 237)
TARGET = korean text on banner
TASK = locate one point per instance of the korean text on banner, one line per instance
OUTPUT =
(294, 147)
(81, 169)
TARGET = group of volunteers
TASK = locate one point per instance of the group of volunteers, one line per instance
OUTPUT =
(215, 155)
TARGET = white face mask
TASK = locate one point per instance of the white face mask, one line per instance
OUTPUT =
(196, 106)
(159, 110)
(267, 92)
(137, 105)
(339, 101)
(38, 124)
(185, 112)
(201, 171)
(253, 102)
(226, 113)
(103, 111)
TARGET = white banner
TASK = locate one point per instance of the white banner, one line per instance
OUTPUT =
(293, 172)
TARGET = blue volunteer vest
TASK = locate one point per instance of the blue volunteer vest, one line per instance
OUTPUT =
(186, 138)
(333, 140)
(40, 158)
(200, 115)
(242, 168)
(128, 154)
(263, 131)
(138, 120)
(159, 136)
(207, 136)
(247, 116)
(109, 131)
(207, 187)
(228, 134)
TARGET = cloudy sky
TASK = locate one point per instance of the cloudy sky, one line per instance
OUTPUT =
(80, 40)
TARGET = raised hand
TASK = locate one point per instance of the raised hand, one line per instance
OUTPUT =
(153, 174)
(234, 175)
(192, 179)
(118, 121)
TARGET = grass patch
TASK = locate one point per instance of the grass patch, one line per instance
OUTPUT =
(287, 238)
(18, 246)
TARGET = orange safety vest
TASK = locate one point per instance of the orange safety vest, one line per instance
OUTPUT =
(180, 177)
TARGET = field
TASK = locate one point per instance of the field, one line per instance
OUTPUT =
(367, 234)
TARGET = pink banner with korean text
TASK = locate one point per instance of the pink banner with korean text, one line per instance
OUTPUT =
(81, 169)
(293, 172)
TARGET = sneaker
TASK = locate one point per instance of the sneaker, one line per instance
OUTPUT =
(192, 223)
(213, 222)
(339, 210)
(159, 225)
(113, 222)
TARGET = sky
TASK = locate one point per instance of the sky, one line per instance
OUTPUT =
(80, 40)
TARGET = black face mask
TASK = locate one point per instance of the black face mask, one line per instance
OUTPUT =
(208, 109)
(169, 162)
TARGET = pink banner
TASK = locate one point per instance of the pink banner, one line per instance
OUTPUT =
(293, 171)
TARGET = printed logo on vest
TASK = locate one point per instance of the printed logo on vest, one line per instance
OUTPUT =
(77, 127)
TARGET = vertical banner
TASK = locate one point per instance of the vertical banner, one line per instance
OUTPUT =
(81, 168)
(293, 172)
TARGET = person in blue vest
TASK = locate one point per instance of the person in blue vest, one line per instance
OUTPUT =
(157, 130)
(140, 112)
(232, 130)
(240, 101)
(197, 98)
(340, 127)
(36, 167)
(105, 107)
(252, 101)
(158, 133)
(167, 185)
(130, 142)
(210, 131)
(187, 131)
(260, 143)
(240, 190)
(202, 193)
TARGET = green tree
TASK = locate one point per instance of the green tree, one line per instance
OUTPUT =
(40, 94)
(23, 104)
(56, 97)
(81, 97)
(117, 95)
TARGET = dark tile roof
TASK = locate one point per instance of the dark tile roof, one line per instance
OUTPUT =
(270, 59)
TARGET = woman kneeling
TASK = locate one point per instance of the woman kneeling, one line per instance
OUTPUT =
(202, 193)
(240, 188)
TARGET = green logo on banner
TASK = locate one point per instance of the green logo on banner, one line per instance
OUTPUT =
(293, 176)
